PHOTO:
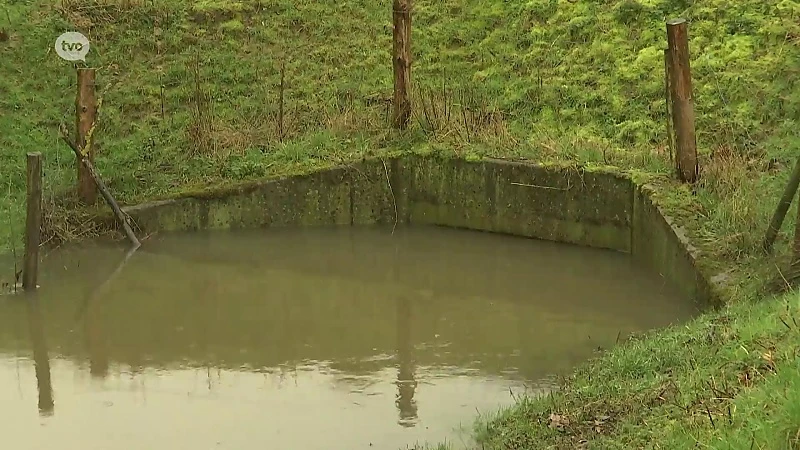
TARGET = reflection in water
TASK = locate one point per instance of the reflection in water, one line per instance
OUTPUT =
(250, 340)
(406, 384)
(40, 357)
(95, 341)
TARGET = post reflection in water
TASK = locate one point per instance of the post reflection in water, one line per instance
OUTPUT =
(90, 314)
(201, 341)
(406, 384)
(95, 344)
(41, 359)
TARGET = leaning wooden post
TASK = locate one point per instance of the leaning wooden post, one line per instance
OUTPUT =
(783, 207)
(85, 116)
(33, 222)
(788, 279)
(682, 101)
(84, 160)
(402, 63)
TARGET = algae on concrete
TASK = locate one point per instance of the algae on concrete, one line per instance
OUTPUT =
(597, 208)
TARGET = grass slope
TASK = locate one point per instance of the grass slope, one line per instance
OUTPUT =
(542, 79)
(725, 381)
(191, 99)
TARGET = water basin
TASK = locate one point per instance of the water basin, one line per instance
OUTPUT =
(322, 338)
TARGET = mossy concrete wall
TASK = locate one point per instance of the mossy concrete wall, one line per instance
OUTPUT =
(660, 244)
(356, 194)
(562, 204)
(601, 209)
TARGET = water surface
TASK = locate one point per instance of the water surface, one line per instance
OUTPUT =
(340, 338)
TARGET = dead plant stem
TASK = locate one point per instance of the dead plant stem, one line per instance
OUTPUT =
(391, 191)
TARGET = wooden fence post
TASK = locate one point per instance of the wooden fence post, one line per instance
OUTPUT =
(402, 63)
(85, 116)
(33, 221)
(682, 101)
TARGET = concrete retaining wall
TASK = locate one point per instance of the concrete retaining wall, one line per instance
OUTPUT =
(565, 204)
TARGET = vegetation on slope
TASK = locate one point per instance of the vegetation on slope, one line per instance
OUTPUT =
(727, 380)
(191, 98)
(546, 79)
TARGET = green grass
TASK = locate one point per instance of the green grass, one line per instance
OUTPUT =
(549, 80)
(726, 381)
(578, 81)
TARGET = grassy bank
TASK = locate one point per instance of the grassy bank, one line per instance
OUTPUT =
(191, 91)
(725, 381)
(191, 95)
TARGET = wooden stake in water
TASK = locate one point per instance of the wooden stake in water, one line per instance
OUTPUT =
(682, 101)
(85, 116)
(402, 63)
(33, 221)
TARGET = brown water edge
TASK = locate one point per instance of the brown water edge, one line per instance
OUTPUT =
(307, 338)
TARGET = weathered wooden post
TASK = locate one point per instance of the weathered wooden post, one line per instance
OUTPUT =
(85, 116)
(33, 221)
(402, 63)
(682, 101)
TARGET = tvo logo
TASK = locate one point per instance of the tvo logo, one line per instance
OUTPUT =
(72, 46)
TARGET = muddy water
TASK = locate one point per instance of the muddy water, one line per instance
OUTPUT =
(305, 339)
